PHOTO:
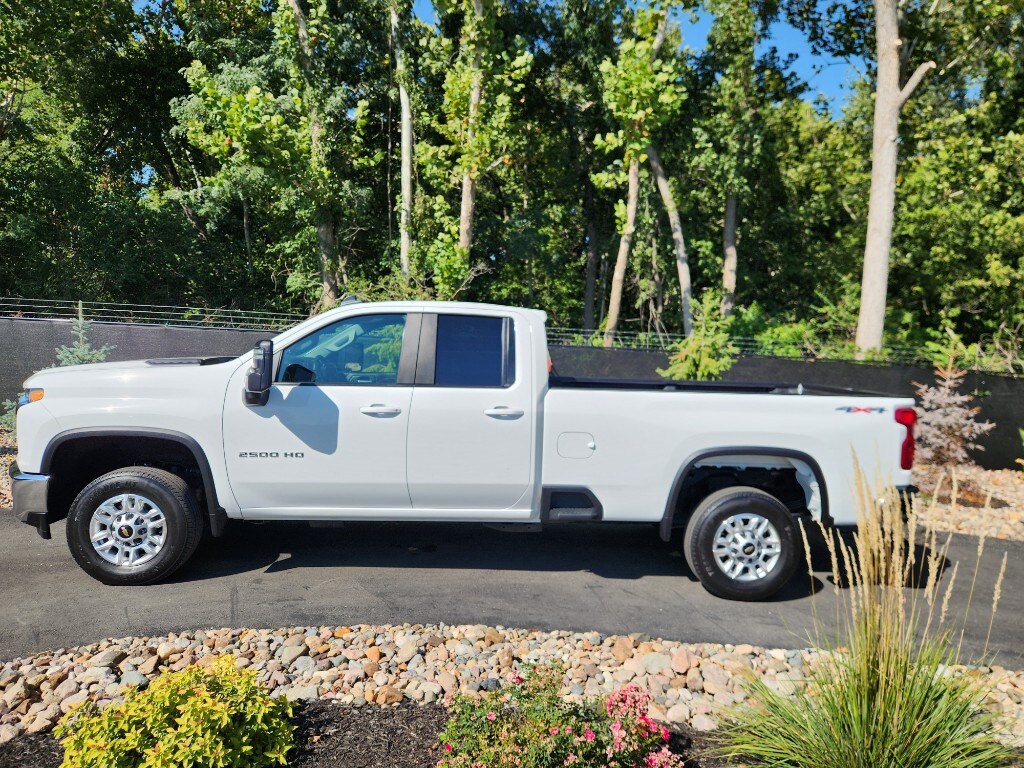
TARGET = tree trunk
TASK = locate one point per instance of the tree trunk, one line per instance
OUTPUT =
(622, 259)
(682, 263)
(175, 180)
(247, 232)
(325, 236)
(590, 287)
(889, 99)
(326, 248)
(729, 256)
(405, 216)
(469, 174)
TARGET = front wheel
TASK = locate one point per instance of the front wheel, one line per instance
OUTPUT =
(135, 525)
(741, 543)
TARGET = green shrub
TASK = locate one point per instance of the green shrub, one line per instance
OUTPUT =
(8, 417)
(883, 695)
(81, 351)
(708, 351)
(215, 718)
(530, 725)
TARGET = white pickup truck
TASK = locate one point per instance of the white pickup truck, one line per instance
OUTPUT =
(439, 412)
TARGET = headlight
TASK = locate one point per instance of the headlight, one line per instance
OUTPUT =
(30, 396)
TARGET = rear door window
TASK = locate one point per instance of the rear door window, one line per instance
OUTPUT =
(474, 351)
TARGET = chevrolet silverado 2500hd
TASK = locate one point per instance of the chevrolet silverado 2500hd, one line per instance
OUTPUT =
(440, 412)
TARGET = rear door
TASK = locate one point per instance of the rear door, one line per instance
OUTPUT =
(471, 429)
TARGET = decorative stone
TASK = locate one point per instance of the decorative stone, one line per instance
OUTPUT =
(703, 723)
(291, 652)
(109, 658)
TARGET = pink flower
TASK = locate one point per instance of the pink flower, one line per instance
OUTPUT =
(662, 759)
(588, 735)
(630, 700)
(664, 733)
(448, 747)
(492, 717)
(618, 736)
(554, 731)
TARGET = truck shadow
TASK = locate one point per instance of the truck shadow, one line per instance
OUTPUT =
(924, 560)
(621, 552)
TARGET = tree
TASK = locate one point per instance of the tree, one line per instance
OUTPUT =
(289, 116)
(481, 78)
(890, 96)
(641, 91)
(730, 135)
(401, 74)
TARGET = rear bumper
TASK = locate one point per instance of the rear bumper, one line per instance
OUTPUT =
(29, 493)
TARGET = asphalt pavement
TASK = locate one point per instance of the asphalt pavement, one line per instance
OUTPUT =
(609, 578)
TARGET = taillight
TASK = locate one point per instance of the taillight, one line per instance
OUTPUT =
(908, 418)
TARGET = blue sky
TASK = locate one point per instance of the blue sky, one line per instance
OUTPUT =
(826, 75)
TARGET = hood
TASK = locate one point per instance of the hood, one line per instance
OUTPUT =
(122, 369)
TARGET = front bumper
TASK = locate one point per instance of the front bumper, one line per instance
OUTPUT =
(30, 493)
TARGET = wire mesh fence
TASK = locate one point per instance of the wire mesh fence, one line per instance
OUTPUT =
(801, 349)
(149, 314)
(219, 317)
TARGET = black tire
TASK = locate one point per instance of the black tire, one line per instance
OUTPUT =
(182, 527)
(699, 541)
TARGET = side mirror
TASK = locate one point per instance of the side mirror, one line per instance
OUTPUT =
(261, 374)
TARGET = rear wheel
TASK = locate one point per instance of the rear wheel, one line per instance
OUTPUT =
(135, 525)
(742, 544)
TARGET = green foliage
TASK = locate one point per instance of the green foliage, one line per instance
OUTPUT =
(1000, 352)
(8, 419)
(883, 695)
(81, 351)
(709, 351)
(528, 724)
(218, 717)
(196, 152)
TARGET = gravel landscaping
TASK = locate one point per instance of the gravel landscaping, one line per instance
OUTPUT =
(1003, 520)
(385, 666)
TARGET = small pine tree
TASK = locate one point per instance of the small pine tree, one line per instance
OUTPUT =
(947, 428)
(708, 352)
(81, 351)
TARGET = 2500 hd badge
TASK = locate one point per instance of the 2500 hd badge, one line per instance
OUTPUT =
(271, 455)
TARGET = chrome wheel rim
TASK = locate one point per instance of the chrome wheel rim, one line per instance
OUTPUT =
(747, 547)
(128, 530)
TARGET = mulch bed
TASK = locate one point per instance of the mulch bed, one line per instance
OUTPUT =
(330, 735)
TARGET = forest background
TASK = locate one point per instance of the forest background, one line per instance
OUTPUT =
(586, 158)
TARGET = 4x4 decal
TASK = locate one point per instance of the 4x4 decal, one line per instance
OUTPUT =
(859, 409)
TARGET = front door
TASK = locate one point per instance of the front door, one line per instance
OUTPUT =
(332, 436)
(473, 415)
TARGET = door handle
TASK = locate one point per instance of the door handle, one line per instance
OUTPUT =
(503, 412)
(379, 409)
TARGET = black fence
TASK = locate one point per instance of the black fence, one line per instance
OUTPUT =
(1001, 398)
(29, 345)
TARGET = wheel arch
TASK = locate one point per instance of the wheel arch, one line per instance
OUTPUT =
(738, 453)
(151, 440)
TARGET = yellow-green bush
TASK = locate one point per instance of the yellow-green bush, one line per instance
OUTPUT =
(219, 717)
(885, 696)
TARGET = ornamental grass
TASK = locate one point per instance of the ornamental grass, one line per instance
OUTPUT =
(884, 694)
